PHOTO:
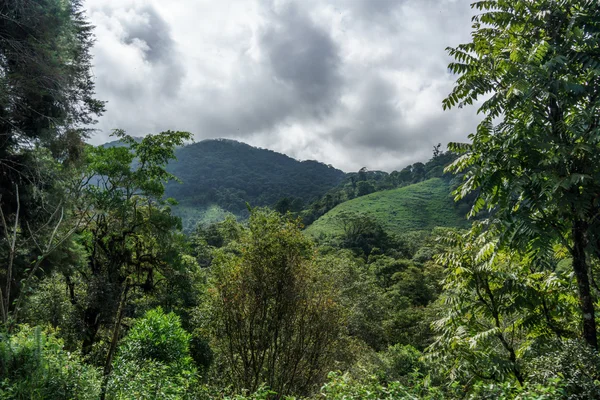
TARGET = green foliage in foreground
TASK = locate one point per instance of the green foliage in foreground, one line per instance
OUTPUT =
(154, 360)
(422, 206)
(274, 314)
(34, 365)
(535, 157)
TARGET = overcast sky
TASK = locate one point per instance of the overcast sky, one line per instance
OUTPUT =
(351, 83)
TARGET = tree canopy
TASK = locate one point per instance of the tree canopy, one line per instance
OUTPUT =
(534, 158)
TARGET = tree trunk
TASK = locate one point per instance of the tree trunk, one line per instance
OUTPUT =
(583, 284)
(91, 322)
(115, 339)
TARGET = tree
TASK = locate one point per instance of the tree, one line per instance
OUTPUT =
(418, 172)
(364, 188)
(46, 87)
(275, 319)
(130, 237)
(46, 95)
(535, 156)
(26, 251)
(154, 360)
(46, 107)
(499, 308)
(362, 233)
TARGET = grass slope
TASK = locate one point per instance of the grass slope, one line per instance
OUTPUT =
(422, 206)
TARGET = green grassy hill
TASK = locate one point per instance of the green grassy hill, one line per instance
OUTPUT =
(422, 206)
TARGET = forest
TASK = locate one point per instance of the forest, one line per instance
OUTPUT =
(473, 275)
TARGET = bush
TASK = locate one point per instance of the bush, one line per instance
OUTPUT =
(34, 365)
(158, 337)
(400, 361)
(149, 379)
(274, 314)
(343, 387)
(550, 390)
(572, 363)
(154, 360)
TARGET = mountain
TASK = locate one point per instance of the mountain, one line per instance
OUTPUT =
(421, 206)
(223, 175)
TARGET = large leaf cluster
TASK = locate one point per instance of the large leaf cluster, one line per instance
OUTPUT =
(534, 69)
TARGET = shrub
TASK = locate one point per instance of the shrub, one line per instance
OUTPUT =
(343, 387)
(34, 365)
(401, 360)
(154, 361)
(275, 318)
(574, 364)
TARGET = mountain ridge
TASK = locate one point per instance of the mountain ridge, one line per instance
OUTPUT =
(230, 174)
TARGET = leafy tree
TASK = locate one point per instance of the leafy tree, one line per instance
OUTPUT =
(365, 301)
(130, 236)
(46, 83)
(499, 308)
(535, 65)
(363, 234)
(364, 188)
(418, 172)
(46, 106)
(34, 241)
(46, 100)
(274, 316)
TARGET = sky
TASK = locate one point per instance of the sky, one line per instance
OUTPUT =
(351, 83)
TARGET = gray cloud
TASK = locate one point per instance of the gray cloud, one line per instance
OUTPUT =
(348, 82)
(154, 32)
(374, 122)
(142, 28)
(302, 55)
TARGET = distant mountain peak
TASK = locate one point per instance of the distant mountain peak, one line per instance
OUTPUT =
(230, 173)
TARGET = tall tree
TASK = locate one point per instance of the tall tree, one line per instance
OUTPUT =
(46, 107)
(535, 157)
(130, 235)
(46, 87)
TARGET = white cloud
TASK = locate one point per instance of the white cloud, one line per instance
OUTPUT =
(349, 82)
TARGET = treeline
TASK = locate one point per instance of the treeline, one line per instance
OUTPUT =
(103, 297)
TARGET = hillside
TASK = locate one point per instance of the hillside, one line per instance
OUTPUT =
(421, 206)
(228, 173)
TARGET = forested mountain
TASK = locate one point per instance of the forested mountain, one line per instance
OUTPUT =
(218, 176)
(230, 173)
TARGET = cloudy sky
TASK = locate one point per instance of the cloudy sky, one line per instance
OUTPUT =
(351, 83)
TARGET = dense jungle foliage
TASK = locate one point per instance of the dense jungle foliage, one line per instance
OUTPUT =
(103, 295)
